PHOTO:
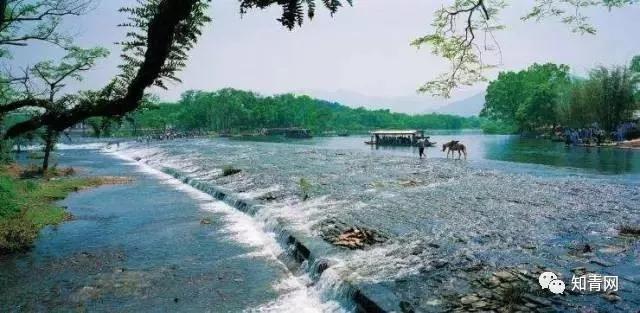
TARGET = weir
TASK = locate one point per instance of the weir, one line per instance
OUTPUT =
(365, 298)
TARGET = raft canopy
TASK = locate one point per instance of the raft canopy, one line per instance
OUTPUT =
(408, 137)
(408, 132)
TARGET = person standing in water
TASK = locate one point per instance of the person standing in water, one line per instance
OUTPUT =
(422, 143)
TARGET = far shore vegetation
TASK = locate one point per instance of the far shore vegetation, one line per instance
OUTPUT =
(237, 111)
(27, 201)
(543, 97)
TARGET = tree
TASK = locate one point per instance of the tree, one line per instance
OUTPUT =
(231, 110)
(54, 78)
(544, 96)
(25, 21)
(529, 98)
(613, 95)
(169, 29)
(635, 64)
(458, 28)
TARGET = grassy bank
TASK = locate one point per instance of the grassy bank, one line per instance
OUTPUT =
(27, 202)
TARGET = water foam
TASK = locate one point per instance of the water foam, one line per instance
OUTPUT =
(297, 297)
(297, 292)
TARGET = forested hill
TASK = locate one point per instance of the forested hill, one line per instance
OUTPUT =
(237, 110)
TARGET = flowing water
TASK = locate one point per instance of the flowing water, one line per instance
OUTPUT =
(514, 203)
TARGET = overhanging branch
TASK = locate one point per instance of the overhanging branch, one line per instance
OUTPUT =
(160, 38)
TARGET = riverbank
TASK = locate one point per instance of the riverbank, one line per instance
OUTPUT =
(630, 144)
(27, 201)
(153, 244)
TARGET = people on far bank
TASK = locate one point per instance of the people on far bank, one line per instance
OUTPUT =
(171, 134)
(595, 135)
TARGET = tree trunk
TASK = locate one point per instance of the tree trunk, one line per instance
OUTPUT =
(50, 138)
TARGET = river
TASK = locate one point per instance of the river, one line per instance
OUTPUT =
(515, 204)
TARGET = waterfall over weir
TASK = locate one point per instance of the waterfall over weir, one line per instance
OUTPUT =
(303, 259)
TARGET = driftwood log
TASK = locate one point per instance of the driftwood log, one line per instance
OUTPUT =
(352, 237)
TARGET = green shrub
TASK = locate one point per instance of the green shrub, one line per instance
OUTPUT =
(16, 234)
(305, 189)
(5, 151)
(498, 127)
(8, 197)
(230, 170)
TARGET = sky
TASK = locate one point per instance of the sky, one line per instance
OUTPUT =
(361, 55)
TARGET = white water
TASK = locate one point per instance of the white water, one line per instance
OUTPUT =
(297, 293)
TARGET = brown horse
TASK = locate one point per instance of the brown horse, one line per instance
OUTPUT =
(453, 146)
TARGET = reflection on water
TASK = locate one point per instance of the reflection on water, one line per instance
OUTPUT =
(511, 148)
(606, 160)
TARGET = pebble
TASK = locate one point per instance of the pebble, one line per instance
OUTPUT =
(480, 304)
(469, 299)
(611, 297)
(504, 276)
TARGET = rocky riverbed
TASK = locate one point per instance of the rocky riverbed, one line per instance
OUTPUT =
(456, 236)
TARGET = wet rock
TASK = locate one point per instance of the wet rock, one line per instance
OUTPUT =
(630, 230)
(269, 196)
(480, 304)
(85, 294)
(205, 221)
(469, 299)
(579, 271)
(611, 296)
(440, 263)
(613, 250)
(434, 302)
(409, 183)
(600, 262)
(406, 307)
(323, 265)
(504, 276)
(494, 281)
(587, 249)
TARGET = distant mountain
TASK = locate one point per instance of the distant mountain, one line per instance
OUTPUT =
(406, 104)
(465, 107)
